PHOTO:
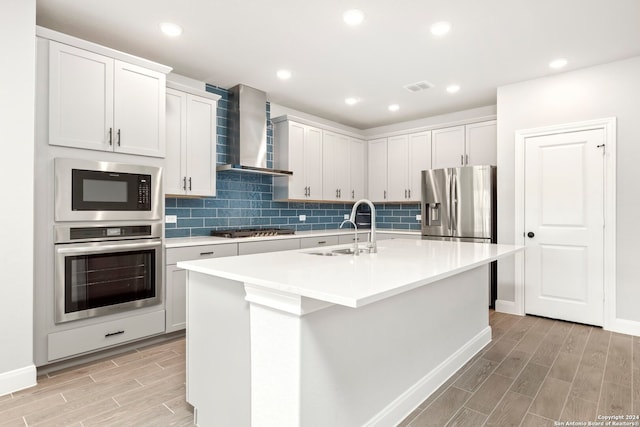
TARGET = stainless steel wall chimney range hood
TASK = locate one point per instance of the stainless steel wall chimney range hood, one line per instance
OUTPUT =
(247, 125)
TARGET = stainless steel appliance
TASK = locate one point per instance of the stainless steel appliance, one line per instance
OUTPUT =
(105, 269)
(251, 232)
(460, 204)
(87, 190)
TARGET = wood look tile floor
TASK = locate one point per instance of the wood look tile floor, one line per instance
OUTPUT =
(534, 372)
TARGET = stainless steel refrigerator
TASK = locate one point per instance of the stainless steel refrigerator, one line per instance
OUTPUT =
(460, 204)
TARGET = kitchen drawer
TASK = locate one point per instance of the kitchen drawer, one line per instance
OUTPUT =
(246, 248)
(314, 242)
(102, 335)
(175, 255)
(349, 238)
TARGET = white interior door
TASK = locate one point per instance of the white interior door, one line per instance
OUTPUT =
(564, 221)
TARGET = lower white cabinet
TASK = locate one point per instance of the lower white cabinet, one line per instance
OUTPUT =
(80, 340)
(176, 279)
(318, 242)
(257, 247)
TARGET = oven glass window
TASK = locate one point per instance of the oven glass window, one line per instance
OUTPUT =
(100, 280)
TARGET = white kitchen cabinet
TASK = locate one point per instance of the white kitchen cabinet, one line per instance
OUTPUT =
(408, 155)
(191, 143)
(378, 170)
(357, 159)
(100, 103)
(298, 148)
(176, 279)
(465, 145)
(318, 242)
(335, 166)
(262, 246)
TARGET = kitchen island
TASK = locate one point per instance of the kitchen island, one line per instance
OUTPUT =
(300, 338)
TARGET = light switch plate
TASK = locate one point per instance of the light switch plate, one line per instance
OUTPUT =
(418, 217)
(303, 217)
(170, 219)
(346, 216)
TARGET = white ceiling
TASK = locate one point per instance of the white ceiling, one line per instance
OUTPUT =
(491, 43)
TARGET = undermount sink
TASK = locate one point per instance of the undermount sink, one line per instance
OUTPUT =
(350, 251)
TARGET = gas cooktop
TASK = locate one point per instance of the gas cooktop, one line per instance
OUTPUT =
(251, 232)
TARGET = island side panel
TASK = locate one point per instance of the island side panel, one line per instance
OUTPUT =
(218, 351)
(372, 365)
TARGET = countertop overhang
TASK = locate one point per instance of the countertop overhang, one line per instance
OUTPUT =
(354, 281)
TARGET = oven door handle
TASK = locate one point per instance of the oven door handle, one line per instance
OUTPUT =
(94, 247)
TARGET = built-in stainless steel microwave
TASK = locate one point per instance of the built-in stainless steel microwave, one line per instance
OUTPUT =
(87, 190)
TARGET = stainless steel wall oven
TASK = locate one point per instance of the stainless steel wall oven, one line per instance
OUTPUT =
(106, 269)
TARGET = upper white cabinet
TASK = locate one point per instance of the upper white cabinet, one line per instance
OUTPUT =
(298, 148)
(335, 166)
(378, 170)
(100, 103)
(343, 160)
(408, 155)
(465, 145)
(190, 164)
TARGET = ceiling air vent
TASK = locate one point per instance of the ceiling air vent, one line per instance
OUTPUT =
(419, 86)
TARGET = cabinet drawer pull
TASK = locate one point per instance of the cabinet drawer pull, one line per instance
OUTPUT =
(110, 334)
(409, 193)
(206, 253)
(184, 183)
(189, 183)
(118, 137)
(461, 160)
(110, 136)
(322, 242)
(466, 159)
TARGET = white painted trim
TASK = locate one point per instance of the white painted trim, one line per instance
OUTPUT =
(608, 124)
(508, 307)
(17, 379)
(404, 404)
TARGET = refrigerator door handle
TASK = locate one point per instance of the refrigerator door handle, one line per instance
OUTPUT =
(454, 204)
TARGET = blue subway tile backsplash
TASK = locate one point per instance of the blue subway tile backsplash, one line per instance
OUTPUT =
(245, 200)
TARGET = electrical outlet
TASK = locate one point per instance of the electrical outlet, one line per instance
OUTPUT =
(303, 218)
(418, 217)
(170, 219)
(346, 216)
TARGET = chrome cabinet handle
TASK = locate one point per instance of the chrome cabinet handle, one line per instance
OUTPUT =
(184, 183)
(118, 137)
(110, 136)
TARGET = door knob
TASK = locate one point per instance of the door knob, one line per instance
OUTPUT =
(530, 234)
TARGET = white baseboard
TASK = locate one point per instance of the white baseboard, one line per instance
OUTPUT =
(508, 307)
(623, 326)
(17, 379)
(404, 404)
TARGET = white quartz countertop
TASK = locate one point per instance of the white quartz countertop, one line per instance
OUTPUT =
(180, 242)
(353, 281)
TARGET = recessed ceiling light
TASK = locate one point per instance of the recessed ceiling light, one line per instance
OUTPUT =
(170, 29)
(283, 74)
(351, 101)
(453, 88)
(353, 17)
(558, 63)
(393, 107)
(440, 28)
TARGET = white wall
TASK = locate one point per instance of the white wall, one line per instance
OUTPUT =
(17, 76)
(610, 90)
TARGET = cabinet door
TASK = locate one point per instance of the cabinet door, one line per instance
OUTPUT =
(419, 160)
(378, 170)
(335, 166)
(297, 182)
(176, 298)
(398, 168)
(481, 143)
(313, 161)
(80, 98)
(447, 147)
(175, 162)
(201, 146)
(139, 110)
(357, 156)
